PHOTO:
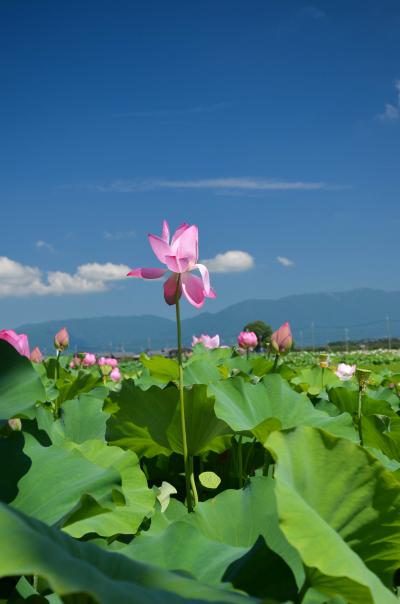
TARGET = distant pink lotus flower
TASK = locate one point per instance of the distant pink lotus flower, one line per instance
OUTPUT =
(36, 355)
(115, 375)
(180, 255)
(247, 339)
(76, 362)
(207, 341)
(345, 372)
(89, 359)
(18, 340)
(110, 361)
(281, 339)
(61, 339)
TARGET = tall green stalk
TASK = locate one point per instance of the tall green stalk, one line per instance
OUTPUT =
(362, 377)
(188, 465)
(360, 434)
(275, 365)
(240, 461)
(56, 376)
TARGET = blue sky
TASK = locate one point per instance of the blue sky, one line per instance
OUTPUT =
(274, 126)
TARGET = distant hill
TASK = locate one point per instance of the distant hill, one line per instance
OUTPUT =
(315, 318)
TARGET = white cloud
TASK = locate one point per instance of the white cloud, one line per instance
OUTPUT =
(103, 272)
(118, 235)
(284, 261)
(215, 184)
(20, 280)
(232, 261)
(392, 112)
(40, 244)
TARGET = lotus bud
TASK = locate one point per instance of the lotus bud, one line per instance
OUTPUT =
(115, 375)
(61, 340)
(89, 359)
(36, 355)
(281, 339)
(76, 361)
(247, 340)
(111, 362)
(15, 424)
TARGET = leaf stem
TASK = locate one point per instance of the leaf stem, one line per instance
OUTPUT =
(275, 365)
(193, 482)
(240, 461)
(56, 376)
(360, 434)
(182, 402)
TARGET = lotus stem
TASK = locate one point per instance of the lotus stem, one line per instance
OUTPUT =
(182, 404)
(240, 461)
(360, 434)
(56, 376)
(275, 365)
(193, 483)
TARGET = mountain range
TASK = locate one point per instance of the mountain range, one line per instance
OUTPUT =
(315, 319)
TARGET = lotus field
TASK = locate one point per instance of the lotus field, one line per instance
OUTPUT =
(221, 475)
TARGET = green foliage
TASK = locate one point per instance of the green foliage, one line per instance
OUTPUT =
(292, 510)
(20, 385)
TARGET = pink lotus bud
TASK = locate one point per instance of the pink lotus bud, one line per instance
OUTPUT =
(207, 341)
(36, 355)
(18, 341)
(61, 340)
(345, 372)
(115, 375)
(15, 424)
(89, 359)
(247, 339)
(281, 339)
(76, 361)
(111, 362)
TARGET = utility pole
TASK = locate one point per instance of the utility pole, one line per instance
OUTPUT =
(346, 338)
(389, 337)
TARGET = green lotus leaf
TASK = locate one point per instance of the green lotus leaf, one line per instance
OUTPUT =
(20, 385)
(340, 508)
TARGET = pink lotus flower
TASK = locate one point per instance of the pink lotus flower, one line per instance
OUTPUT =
(180, 255)
(36, 355)
(115, 375)
(89, 359)
(61, 339)
(247, 339)
(110, 361)
(345, 372)
(207, 341)
(18, 340)
(281, 339)
(76, 361)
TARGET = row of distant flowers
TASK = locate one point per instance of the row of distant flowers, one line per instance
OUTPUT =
(281, 343)
(108, 365)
